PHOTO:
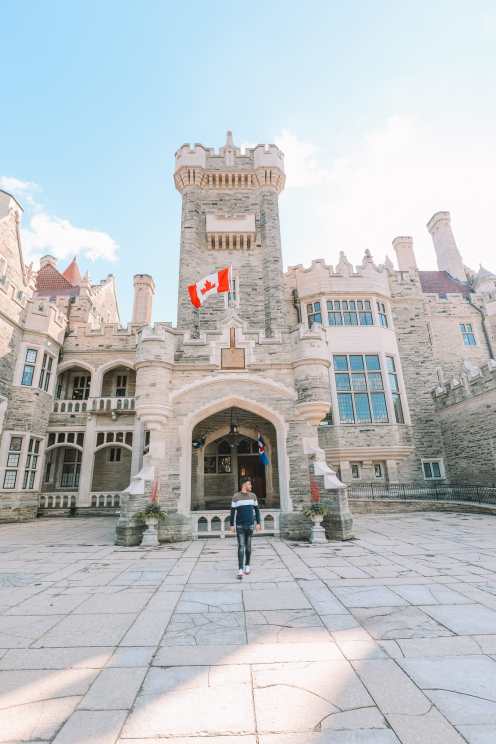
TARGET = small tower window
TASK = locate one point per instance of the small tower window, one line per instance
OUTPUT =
(468, 335)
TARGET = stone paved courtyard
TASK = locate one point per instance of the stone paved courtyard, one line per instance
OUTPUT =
(388, 638)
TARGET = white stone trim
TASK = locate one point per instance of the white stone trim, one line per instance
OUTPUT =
(225, 379)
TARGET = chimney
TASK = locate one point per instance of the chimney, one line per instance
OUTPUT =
(144, 289)
(403, 246)
(448, 256)
(48, 261)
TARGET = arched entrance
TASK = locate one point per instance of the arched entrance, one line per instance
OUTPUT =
(225, 450)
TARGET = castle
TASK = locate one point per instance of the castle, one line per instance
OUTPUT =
(352, 375)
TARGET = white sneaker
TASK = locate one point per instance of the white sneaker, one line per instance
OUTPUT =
(247, 569)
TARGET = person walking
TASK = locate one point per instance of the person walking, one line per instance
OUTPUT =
(244, 514)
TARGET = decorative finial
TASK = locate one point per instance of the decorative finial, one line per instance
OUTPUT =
(229, 139)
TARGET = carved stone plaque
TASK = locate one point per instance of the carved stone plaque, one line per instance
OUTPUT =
(232, 358)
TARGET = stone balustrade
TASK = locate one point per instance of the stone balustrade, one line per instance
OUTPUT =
(216, 523)
(95, 405)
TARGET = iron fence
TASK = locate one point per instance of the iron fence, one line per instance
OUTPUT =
(439, 492)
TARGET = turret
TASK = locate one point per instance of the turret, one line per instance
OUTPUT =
(144, 289)
(403, 247)
(448, 256)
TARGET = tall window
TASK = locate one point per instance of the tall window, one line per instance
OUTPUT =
(46, 372)
(381, 312)
(29, 366)
(71, 468)
(115, 454)
(360, 389)
(121, 386)
(468, 334)
(13, 457)
(31, 463)
(81, 387)
(314, 313)
(395, 390)
(349, 312)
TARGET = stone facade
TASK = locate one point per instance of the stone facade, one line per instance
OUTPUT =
(351, 374)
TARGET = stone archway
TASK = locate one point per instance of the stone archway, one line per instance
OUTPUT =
(221, 459)
(280, 478)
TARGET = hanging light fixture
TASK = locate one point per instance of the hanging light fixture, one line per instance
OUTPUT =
(233, 437)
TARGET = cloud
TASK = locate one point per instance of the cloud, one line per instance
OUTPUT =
(389, 182)
(46, 233)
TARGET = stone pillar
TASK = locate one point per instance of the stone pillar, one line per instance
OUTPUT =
(87, 462)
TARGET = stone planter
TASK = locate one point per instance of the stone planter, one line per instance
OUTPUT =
(317, 535)
(150, 535)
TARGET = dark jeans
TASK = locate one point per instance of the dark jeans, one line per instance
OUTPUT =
(244, 535)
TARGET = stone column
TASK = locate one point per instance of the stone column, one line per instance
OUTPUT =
(87, 462)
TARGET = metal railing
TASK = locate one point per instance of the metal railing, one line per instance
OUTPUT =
(430, 492)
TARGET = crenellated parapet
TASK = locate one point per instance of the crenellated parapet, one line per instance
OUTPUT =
(229, 167)
(45, 318)
(321, 278)
(471, 382)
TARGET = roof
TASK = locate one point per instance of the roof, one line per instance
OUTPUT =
(441, 282)
(72, 273)
(50, 281)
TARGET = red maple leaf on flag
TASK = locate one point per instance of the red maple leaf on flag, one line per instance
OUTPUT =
(207, 287)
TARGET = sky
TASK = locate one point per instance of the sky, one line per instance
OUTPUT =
(386, 113)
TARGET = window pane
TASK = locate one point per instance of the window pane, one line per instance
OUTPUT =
(362, 407)
(16, 444)
(343, 382)
(12, 460)
(210, 465)
(9, 479)
(224, 464)
(340, 363)
(27, 375)
(335, 319)
(398, 409)
(317, 318)
(436, 469)
(372, 362)
(367, 304)
(350, 319)
(390, 364)
(366, 319)
(329, 305)
(316, 306)
(346, 408)
(393, 381)
(337, 304)
(223, 448)
(31, 355)
(427, 470)
(358, 381)
(379, 408)
(375, 381)
(356, 362)
(351, 305)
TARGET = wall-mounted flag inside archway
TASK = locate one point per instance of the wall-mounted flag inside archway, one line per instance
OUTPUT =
(211, 284)
(261, 450)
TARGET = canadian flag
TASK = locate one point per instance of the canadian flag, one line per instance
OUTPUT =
(211, 284)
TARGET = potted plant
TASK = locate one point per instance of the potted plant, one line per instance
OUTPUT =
(151, 515)
(316, 511)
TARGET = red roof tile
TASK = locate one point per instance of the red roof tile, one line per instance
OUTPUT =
(51, 281)
(72, 274)
(441, 282)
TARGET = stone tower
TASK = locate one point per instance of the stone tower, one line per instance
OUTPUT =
(230, 216)
(448, 256)
(144, 289)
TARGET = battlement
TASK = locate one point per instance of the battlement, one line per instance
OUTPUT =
(322, 278)
(46, 318)
(470, 383)
(229, 166)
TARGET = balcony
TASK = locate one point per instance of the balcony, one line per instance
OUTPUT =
(104, 405)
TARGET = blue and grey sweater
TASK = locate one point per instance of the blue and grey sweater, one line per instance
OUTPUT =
(244, 510)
